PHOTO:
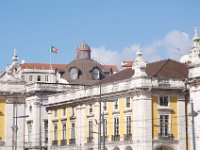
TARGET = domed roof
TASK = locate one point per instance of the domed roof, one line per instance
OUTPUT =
(83, 46)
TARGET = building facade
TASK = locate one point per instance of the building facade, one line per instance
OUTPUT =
(87, 105)
(142, 108)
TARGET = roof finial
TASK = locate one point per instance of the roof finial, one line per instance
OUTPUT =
(138, 52)
(15, 58)
(196, 34)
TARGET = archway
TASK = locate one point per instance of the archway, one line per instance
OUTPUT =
(116, 148)
(163, 147)
(128, 148)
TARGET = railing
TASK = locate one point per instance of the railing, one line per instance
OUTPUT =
(165, 136)
(63, 142)
(90, 139)
(115, 137)
(55, 142)
(72, 141)
(127, 137)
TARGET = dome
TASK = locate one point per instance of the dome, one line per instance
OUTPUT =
(83, 51)
(84, 46)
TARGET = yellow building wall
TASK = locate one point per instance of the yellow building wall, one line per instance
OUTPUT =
(155, 116)
(2, 118)
(68, 125)
(174, 119)
(110, 120)
(122, 119)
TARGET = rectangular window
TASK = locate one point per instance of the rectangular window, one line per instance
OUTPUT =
(164, 125)
(72, 111)
(72, 130)
(29, 131)
(164, 101)
(128, 125)
(23, 77)
(46, 131)
(30, 77)
(55, 113)
(64, 131)
(90, 128)
(116, 126)
(90, 109)
(38, 78)
(64, 111)
(128, 102)
(105, 125)
(104, 106)
(46, 78)
(55, 132)
(116, 105)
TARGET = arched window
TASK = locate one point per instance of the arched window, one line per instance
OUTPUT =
(128, 148)
(116, 148)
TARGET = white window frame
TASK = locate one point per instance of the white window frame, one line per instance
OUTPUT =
(64, 111)
(163, 97)
(30, 78)
(116, 126)
(55, 113)
(168, 126)
(39, 78)
(46, 131)
(64, 129)
(90, 109)
(73, 131)
(128, 99)
(116, 103)
(46, 78)
(128, 125)
(90, 130)
(30, 128)
(55, 131)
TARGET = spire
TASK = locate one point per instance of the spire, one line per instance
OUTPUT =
(194, 57)
(15, 58)
(139, 65)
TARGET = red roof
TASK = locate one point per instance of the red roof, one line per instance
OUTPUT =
(162, 69)
(127, 64)
(113, 67)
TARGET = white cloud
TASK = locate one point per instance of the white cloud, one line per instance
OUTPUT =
(173, 45)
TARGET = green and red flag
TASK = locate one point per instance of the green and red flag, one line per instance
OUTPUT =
(53, 50)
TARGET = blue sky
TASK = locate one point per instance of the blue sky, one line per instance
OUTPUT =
(112, 28)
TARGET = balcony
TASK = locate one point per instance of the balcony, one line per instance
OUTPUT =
(72, 141)
(115, 137)
(128, 137)
(63, 142)
(165, 137)
(55, 142)
(90, 139)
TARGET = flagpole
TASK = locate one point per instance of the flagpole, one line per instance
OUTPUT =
(50, 66)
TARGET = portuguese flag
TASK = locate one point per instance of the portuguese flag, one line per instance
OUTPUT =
(53, 50)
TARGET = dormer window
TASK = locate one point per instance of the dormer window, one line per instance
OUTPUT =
(74, 73)
(95, 74)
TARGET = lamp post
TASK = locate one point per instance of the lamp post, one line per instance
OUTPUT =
(15, 128)
(193, 114)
